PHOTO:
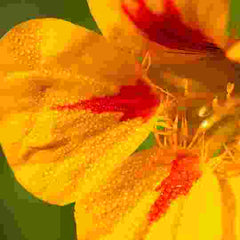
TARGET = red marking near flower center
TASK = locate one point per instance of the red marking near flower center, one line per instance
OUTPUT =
(167, 28)
(133, 101)
(184, 173)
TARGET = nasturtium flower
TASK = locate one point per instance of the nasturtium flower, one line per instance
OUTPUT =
(73, 112)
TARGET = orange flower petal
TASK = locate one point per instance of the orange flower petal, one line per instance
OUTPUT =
(53, 149)
(197, 216)
(232, 208)
(117, 27)
(176, 65)
(121, 32)
(167, 27)
(119, 209)
(233, 52)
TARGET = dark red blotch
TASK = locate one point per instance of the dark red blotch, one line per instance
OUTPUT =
(132, 100)
(167, 28)
(184, 172)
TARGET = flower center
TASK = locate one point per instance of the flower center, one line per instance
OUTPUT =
(185, 168)
(190, 162)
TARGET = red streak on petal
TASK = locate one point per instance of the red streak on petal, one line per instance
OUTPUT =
(184, 173)
(133, 101)
(167, 28)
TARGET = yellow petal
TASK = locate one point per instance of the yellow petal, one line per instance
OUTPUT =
(54, 170)
(233, 52)
(50, 62)
(202, 212)
(232, 209)
(206, 18)
(117, 27)
(119, 209)
(196, 216)
(175, 64)
(39, 51)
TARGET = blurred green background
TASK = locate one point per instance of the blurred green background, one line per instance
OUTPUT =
(23, 217)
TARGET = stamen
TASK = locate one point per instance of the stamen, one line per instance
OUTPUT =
(186, 87)
(159, 88)
(204, 112)
(184, 130)
(187, 168)
(230, 88)
(215, 104)
(146, 63)
(195, 138)
(175, 134)
(203, 150)
(157, 139)
(229, 152)
(165, 139)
